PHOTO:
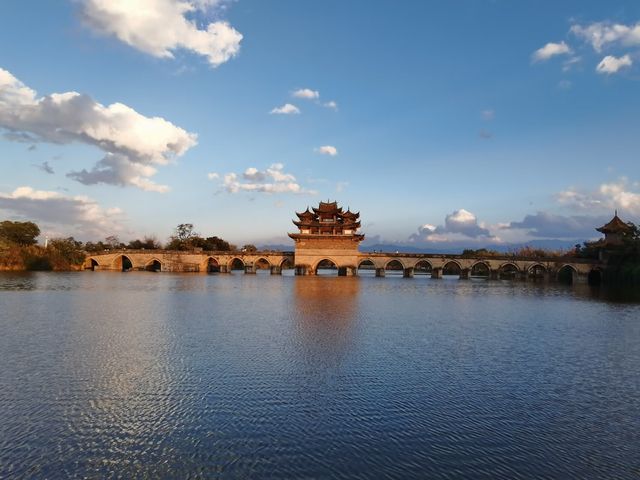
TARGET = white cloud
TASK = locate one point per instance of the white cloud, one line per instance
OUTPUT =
(160, 27)
(618, 195)
(271, 180)
(78, 214)
(550, 50)
(332, 104)
(213, 175)
(286, 109)
(611, 64)
(603, 34)
(306, 93)
(464, 222)
(607, 197)
(327, 150)
(132, 143)
(457, 225)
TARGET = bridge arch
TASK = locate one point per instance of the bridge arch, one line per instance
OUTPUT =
(236, 263)
(327, 265)
(122, 263)
(261, 264)
(367, 262)
(452, 267)
(422, 267)
(508, 271)
(394, 265)
(567, 274)
(537, 270)
(480, 269)
(212, 265)
(153, 265)
(91, 264)
(286, 264)
(366, 266)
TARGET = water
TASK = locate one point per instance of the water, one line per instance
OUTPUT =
(141, 375)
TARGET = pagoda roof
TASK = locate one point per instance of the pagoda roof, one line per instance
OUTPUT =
(328, 207)
(305, 215)
(615, 226)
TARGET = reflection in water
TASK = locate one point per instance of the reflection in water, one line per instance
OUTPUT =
(141, 375)
(325, 312)
(128, 379)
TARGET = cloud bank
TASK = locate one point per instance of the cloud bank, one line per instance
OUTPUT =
(270, 180)
(606, 198)
(549, 225)
(133, 144)
(74, 212)
(603, 34)
(461, 224)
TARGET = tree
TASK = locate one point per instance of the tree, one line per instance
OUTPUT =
(113, 241)
(481, 252)
(175, 244)
(147, 243)
(184, 232)
(66, 251)
(95, 247)
(249, 248)
(184, 238)
(22, 233)
(213, 244)
(634, 234)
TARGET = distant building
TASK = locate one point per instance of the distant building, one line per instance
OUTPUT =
(614, 232)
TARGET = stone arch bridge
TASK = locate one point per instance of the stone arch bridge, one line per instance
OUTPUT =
(379, 264)
(179, 261)
(505, 266)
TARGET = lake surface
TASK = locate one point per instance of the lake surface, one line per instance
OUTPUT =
(142, 375)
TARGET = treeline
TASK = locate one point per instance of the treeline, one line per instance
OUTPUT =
(526, 251)
(19, 249)
(184, 238)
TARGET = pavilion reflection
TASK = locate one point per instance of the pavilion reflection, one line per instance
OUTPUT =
(326, 311)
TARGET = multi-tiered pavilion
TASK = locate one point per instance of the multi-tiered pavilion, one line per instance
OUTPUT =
(327, 234)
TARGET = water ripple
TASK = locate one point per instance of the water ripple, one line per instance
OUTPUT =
(192, 376)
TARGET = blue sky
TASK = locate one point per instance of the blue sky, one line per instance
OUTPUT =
(443, 123)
